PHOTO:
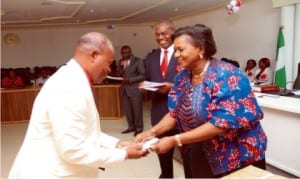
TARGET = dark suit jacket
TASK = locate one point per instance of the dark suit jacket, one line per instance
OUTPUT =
(159, 101)
(135, 72)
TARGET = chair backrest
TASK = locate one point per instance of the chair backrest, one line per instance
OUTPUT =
(297, 80)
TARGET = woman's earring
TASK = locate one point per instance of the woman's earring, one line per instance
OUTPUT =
(201, 56)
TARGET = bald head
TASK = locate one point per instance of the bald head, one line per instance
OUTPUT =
(94, 52)
(93, 40)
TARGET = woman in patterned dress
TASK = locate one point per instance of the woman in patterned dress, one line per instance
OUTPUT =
(215, 109)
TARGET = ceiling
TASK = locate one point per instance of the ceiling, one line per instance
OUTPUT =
(41, 13)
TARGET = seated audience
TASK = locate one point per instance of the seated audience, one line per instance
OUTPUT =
(44, 75)
(263, 73)
(250, 69)
(12, 80)
(25, 74)
(235, 63)
(4, 72)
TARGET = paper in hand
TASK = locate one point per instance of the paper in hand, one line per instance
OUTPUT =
(114, 78)
(148, 144)
(151, 86)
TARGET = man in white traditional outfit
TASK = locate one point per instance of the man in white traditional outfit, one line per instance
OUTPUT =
(64, 139)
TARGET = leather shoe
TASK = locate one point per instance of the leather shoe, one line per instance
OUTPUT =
(127, 131)
(137, 132)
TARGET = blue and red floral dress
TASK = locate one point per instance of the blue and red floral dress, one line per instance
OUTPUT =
(224, 99)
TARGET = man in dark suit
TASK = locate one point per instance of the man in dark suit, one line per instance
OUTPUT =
(133, 72)
(154, 64)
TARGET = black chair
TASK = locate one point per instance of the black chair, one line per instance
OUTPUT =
(297, 81)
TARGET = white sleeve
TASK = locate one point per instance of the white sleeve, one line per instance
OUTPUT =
(75, 138)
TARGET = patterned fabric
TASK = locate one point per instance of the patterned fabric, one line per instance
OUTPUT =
(223, 99)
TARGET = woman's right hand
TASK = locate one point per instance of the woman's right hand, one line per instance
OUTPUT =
(141, 137)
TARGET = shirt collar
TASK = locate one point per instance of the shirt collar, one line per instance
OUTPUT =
(170, 49)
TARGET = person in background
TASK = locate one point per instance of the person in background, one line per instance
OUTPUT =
(224, 59)
(133, 72)
(12, 80)
(233, 62)
(215, 109)
(161, 66)
(250, 69)
(44, 75)
(263, 73)
(64, 138)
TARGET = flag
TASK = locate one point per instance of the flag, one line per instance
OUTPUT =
(280, 75)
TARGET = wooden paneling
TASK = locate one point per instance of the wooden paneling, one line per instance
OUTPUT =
(108, 101)
(16, 104)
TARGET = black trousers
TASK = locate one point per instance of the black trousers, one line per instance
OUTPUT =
(133, 108)
(195, 162)
(196, 165)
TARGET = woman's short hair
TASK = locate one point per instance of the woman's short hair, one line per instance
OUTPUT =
(202, 37)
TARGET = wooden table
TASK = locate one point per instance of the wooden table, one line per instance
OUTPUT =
(16, 104)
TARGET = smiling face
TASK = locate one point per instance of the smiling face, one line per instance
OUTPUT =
(163, 33)
(186, 52)
(126, 53)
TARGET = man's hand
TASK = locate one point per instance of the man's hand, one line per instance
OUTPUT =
(125, 81)
(166, 88)
(135, 151)
(119, 72)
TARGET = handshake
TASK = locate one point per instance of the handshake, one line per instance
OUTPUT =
(146, 142)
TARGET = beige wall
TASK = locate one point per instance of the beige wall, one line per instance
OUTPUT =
(54, 46)
(250, 33)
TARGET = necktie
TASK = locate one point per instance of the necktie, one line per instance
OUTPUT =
(164, 64)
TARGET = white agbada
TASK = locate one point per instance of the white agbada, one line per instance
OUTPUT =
(64, 139)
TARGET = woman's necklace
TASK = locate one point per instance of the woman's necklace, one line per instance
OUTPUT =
(203, 71)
